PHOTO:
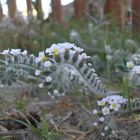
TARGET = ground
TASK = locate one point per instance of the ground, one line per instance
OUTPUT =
(67, 119)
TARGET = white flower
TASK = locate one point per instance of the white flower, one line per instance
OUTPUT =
(15, 51)
(135, 70)
(105, 111)
(134, 75)
(56, 48)
(106, 128)
(95, 124)
(32, 55)
(136, 59)
(113, 132)
(41, 57)
(103, 134)
(5, 52)
(115, 98)
(78, 49)
(68, 45)
(130, 64)
(41, 85)
(95, 111)
(101, 119)
(84, 55)
(48, 79)
(102, 102)
(115, 106)
(55, 92)
(89, 64)
(60, 47)
(24, 52)
(47, 64)
(93, 70)
(51, 95)
(37, 72)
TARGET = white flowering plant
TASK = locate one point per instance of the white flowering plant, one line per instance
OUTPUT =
(106, 109)
(60, 69)
(133, 66)
(46, 69)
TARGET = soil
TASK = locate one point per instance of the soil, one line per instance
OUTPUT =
(67, 119)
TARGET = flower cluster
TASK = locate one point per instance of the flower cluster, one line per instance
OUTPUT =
(12, 72)
(133, 67)
(47, 70)
(60, 47)
(47, 58)
(106, 108)
(14, 52)
(41, 57)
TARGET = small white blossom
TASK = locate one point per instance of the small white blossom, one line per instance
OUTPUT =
(93, 69)
(24, 52)
(84, 55)
(41, 85)
(41, 57)
(113, 132)
(32, 55)
(37, 72)
(57, 48)
(89, 64)
(48, 79)
(115, 106)
(5, 52)
(105, 110)
(47, 64)
(95, 124)
(135, 70)
(55, 92)
(15, 51)
(106, 128)
(130, 64)
(78, 49)
(115, 98)
(101, 119)
(95, 111)
(134, 75)
(101, 103)
(136, 59)
(103, 134)
(60, 47)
